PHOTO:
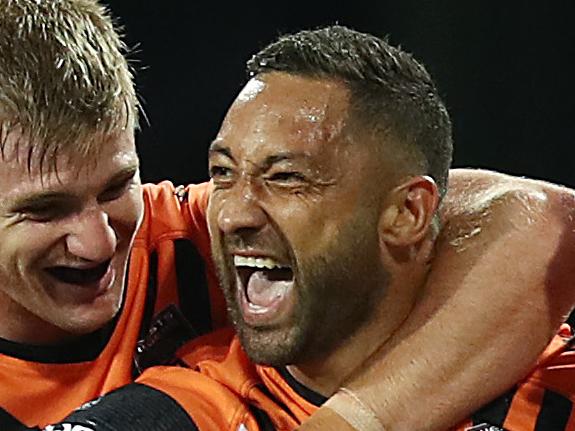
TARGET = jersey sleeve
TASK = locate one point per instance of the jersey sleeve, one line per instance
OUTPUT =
(175, 232)
(164, 399)
(135, 407)
(544, 400)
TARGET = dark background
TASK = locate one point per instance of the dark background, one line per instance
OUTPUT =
(505, 70)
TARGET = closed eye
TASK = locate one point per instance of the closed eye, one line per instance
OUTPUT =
(286, 177)
(116, 190)
(45, 212)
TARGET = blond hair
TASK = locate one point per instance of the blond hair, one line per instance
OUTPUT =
(65, 82)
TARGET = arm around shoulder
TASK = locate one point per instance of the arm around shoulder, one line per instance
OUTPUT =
(498, 289)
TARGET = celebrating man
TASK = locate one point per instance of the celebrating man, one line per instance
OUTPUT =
(328, 172)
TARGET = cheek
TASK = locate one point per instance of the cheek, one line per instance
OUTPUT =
(26, 245)
(308, 228)
(126, 214)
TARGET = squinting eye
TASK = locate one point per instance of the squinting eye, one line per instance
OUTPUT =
(286, 177)
(220, 172)
(115, 192)
(45, 213)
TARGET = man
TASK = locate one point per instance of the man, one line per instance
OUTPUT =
(328, 172)
(72, 329)
(70, 205)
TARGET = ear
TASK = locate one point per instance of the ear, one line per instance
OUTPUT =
(408, 214)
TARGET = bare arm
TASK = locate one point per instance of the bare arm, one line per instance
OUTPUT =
(499, 288)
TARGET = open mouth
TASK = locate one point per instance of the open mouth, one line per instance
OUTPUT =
(79, 276)
(265, 287)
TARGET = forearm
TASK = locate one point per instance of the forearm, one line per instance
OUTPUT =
(440, 375)
(423, 384)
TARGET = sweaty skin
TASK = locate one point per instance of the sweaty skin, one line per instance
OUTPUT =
(498, 289)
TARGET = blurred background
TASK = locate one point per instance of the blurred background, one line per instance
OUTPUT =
(505, 70)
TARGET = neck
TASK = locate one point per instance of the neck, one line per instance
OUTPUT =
(327, 373)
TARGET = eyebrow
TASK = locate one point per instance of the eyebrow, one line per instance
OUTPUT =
(269, 161)
(280, 157)
(123, 174)
(36, 199)
(217, 148)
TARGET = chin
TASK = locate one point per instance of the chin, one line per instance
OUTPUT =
(272, 347)
(90, 317)
(87, 325)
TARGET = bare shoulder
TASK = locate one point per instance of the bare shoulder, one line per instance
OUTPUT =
(480, 200)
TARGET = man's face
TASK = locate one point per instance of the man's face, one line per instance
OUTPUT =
(65, 238)
(293, 219)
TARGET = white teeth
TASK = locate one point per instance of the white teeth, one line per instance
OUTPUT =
(257, 262)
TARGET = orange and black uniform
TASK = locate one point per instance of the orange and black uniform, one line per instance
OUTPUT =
(223, 390)
(40, 385)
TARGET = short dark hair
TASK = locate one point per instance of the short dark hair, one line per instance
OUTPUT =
(389, 90)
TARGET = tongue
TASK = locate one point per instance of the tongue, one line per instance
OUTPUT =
(263, 289)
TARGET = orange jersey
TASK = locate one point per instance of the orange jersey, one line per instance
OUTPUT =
(223, 390)
(39, 385)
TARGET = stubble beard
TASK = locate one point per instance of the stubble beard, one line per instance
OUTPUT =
(336, 294)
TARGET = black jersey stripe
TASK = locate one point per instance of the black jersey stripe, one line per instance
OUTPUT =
(149, 306)
(262, 418)
(303, 391)
(193, 290)
(554, 413)
(571, 319)
(9, 422)
(135, 407)
(496, 411)
(151, 294)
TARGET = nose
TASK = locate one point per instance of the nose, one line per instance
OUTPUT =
(240, 211)
(92, 237)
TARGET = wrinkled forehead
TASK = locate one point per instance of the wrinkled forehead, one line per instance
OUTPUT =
(279, 108)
